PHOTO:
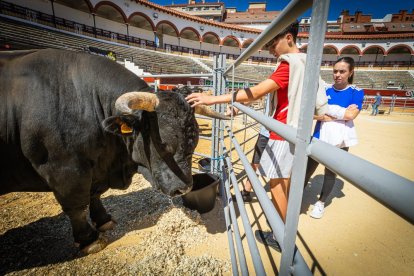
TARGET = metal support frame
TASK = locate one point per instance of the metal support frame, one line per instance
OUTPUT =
(255, 254)
(310, 88)
(398, 197)
(226, 211)
(292, 11)
(376, 184)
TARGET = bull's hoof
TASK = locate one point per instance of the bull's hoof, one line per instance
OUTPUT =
(95, 247)
(107, 226)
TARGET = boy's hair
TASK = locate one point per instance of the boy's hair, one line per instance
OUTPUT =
(350, 61)
(292, 29)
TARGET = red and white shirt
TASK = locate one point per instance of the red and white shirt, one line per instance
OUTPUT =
(281, 78)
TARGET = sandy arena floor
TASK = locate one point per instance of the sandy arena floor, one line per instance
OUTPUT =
(157, 236)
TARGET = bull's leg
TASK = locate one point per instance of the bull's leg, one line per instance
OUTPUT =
(71, 181)
(86, 237)
(99, 216)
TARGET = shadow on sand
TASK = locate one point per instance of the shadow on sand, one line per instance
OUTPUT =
(49, 240)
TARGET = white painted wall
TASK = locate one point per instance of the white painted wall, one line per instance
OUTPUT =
(141, 33)
(105, 24)
(73, 15)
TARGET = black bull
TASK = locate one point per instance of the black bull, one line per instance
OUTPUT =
(70, 124)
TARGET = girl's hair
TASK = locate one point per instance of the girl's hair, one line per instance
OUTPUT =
(351, 64)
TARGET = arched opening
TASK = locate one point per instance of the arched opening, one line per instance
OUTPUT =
(330, 55)
(166, 33)
(110, 11)
(399, 56)
(372, 56)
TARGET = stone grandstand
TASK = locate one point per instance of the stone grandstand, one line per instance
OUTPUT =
(27, 35)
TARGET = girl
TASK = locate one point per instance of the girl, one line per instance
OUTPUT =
(337, 126)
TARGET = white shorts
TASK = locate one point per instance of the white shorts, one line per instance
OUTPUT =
(277, 159)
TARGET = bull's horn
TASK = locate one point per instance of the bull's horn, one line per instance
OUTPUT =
(206, 111)
(130, 101)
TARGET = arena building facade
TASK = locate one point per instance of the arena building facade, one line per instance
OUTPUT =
(370, 42)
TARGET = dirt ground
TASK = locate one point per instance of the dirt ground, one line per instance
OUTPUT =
(158, 236)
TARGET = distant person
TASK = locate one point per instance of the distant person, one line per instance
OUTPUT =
(336, 127)
(376, 104)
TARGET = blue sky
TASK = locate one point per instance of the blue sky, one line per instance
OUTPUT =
(377, 8)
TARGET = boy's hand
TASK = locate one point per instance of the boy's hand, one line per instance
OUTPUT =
(195, 99)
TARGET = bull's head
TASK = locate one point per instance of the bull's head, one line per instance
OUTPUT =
(164, 133)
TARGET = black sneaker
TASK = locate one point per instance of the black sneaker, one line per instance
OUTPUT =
(267, 239)
(246, 196)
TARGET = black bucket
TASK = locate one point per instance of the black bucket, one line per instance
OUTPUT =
(203, 195)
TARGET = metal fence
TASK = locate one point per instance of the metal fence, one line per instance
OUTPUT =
(397, 197)
(391, 104)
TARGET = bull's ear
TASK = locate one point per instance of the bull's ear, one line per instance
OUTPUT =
(120, 125)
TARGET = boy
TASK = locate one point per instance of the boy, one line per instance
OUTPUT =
(287, 81)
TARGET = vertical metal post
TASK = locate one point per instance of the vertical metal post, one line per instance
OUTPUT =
(53, 12)
(310, 86)
(127, 29)
(226, 210)
(94, 24)
(219, 86)
(393, 98)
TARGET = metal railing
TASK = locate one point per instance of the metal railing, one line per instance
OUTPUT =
(391, 104)
(398, 198)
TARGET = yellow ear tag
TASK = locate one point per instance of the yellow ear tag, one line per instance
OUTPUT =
(125, 129)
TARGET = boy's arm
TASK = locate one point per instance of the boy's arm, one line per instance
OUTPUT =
(243, 95)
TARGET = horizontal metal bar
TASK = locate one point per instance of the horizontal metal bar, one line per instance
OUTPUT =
(287, 132)
(290, 13)
(201, 154)
(269, 209)
(233, 217)
(205, 137)
(224, 198)
(238, 78)
(208, 75)
(255, 254)
(203, 117)
(392, 190)
(274, 219)
(244, 128)
(373, 183)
